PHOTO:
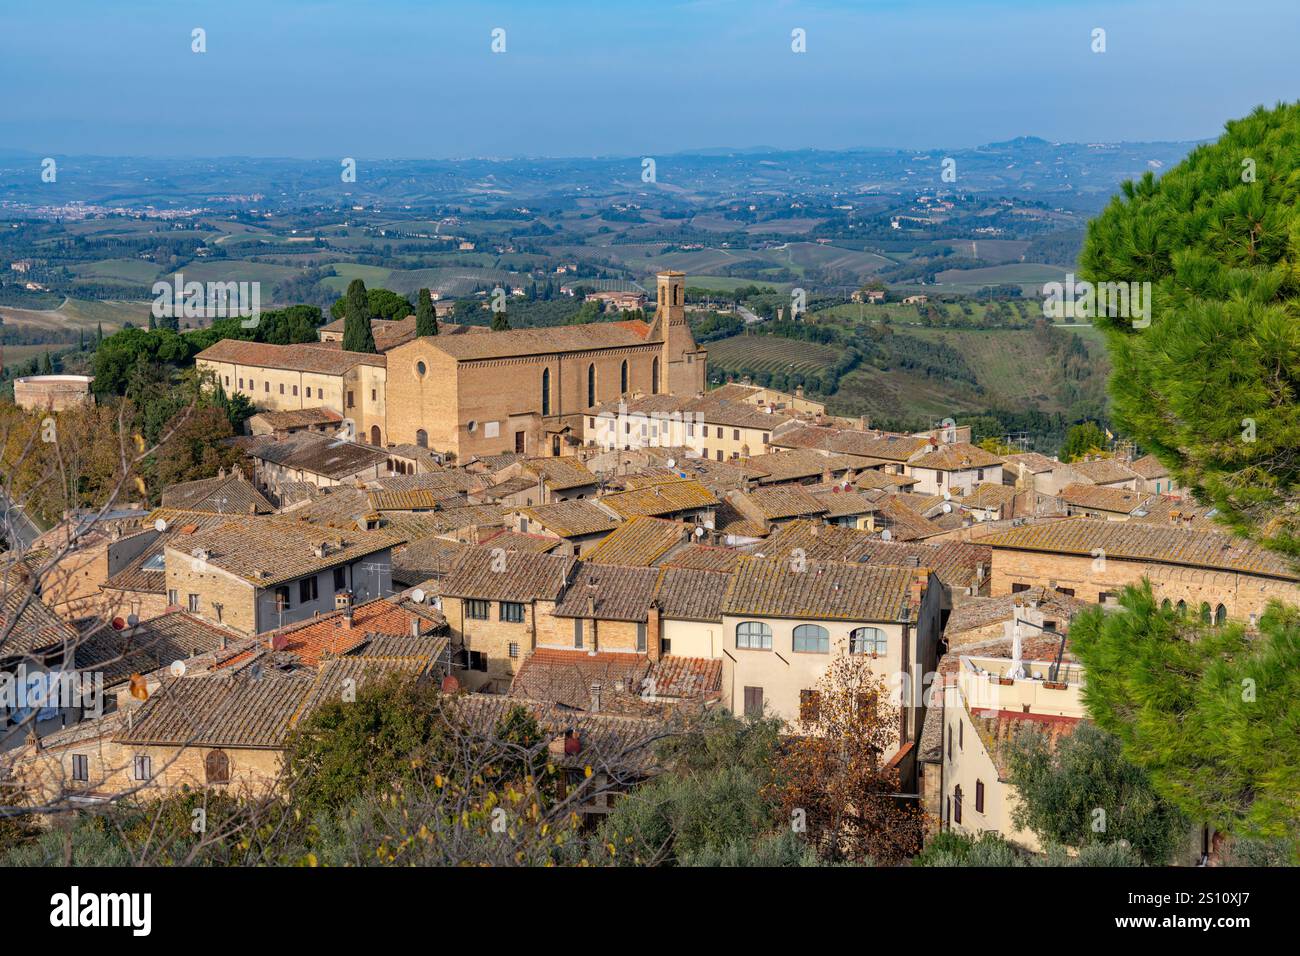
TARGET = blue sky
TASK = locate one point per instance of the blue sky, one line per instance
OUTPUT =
(417, 78)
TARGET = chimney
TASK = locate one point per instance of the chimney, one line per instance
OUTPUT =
(343, 602)
(652, 628)
(595, 697)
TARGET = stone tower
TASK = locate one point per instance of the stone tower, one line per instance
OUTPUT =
(682, 363)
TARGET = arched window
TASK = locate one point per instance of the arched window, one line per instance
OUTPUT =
(812, 638)
(546, 391)
(591, 385)
(867, 640)
(1165, 605)
(374, 434)
(754, 635)
(1206, 615)
(216, 767)
(622, 377)
(422, 438)
(1182, 607)
(1220, 615)
(654, 377)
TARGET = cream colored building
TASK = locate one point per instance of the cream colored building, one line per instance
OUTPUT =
(281, 378)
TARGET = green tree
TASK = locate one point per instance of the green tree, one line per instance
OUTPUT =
(1212, 384)
(426, 316)
(1083, 440)
(1208, 711)
(500, 321)
(357, 334)
(1082, 791)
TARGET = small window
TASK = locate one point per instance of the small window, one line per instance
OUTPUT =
(216, 767)
(950, 741)
(192, 602)
(1103, 597)
(753, 702)
(961, 735)
(295, 389)
(979, 796)
(1068, 592)
(754, 635)
(307, 590)
(421, 368)
(577, 632)
(340, 579)
(1017, 587)
(282, 388)
(641, 637)
(309, 391)
(812, 638)
(810, 703)
(173, 599)
(735, 434)
(478, 661)
(478, 610)
(351, 399)
(374, 395)
(956, 804)
(80, 768)
(512, 612)
(513, 649)
(143, 767)
(282, 598)
(266, 387)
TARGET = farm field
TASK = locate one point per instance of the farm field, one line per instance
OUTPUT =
(1030, 276)
(768, 353)
(79, 313)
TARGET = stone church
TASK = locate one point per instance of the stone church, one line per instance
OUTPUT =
(527, 390)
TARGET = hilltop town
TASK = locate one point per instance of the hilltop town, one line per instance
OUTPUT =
(571, 521)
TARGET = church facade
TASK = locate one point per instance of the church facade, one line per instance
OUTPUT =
(528, 390)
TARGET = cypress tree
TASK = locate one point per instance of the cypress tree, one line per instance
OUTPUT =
(426, 316)
(357, 334)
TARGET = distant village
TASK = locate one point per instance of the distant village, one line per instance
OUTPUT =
(569, 519)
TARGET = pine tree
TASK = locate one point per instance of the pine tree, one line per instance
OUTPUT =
(357, 334)
(1205, 373)
(47, 367)
(426, 316)
(500, 321)
(99, 334)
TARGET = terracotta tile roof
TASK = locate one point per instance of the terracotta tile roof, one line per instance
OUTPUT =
(297, 418)
(662, 499)
(561, 474)
(997, 729)
(319, 454)
(304, 357)
(823, 590)
(639, 542)
(518, 541)
(1104, 498)
(1034, 463)
(331, 633)
(448, 480)
(980, 612)
(388, 333)
(26, 624)
(227, 494)
(691, 594)
(520, 576)
(412, 499)
(541, 341)
(702, 557)
(1135, 541)
(784, 501)
(727, 520)
(877, 480)
(269, 551)
(565, 677)
(955, 563)
(1104, 471)
(571, 519)
(686, 677)
(989, 496)
(145, 574)
(1178, 512)
(428, 558)
(609, 592)
(954, 456)
(903, 523)
(840, 504)
(883, 446)
(511, 486)
(1149, 466)
(779, 466)
(154, 643)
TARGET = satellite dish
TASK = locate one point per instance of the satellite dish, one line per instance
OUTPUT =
(672, 462)
(418, 595)
(885, 535)
(160, 525)
(118, 624)
(946, 495)
(699, 532)
(177, 669)
(947, 508)
(132, 620)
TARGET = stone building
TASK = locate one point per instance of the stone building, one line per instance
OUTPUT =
(528, 390)
(52, 392)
